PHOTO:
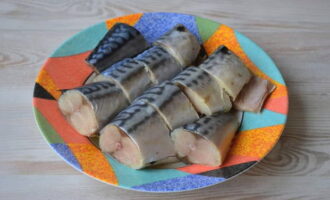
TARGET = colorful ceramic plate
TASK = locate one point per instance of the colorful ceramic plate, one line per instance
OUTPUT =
(66, 68)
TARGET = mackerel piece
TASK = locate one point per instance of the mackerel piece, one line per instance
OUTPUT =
(181, 43)
(228, 70)
(172, 105)
(159, 63)
(90, 107)
(130, 75)
(203, 91)
(207, 140)
(121, 41)
(254, 94)
(138, 137)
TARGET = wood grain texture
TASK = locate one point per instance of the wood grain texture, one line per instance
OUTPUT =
(296, 33)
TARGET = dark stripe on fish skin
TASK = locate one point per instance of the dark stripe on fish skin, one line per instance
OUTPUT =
(169, 100)
(196, 76)
(121, 70)
(207, 120)
(101, 90)
(201, 76)
(192, 69)
(113, 41)
(179, 79)
(122, 74)
(127, 115)
(127, 66)
(208, 124)
(142, 121)
(195, 82)
(154, 95)
(193, 127)
(153, 54)
(157, 90)
(95, 87)
(40, 92)
(227, 172)
(150, 99)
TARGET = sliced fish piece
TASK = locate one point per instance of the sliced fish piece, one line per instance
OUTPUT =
(228, 70)
(130, 75)
(144, 140)
(181, 43)
(90, 107)
(121, 41)
(254, 94)
(159, 63)
(172, 104)
(203, 91)
(90, 78)
(207, 140)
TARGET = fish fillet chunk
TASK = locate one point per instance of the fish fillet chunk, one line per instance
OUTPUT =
(228, 70)
(203, 91)
(144, 137)
(254, 94)
(90, 107)
(206, 141)
(159, 63)
(121, 41)
(130, 75)
(172, 104)
(181, 43)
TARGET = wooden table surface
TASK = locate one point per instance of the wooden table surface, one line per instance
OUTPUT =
(296, 34)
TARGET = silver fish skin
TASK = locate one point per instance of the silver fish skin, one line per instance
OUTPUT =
(208, 140)
(203, 91)
(215, 127)
(107, 99)
(144, 126)
(228, 70)
(103, 100)
(181, 43)
(171, 103)
(159, 63)
(121, 41)
(130, 75)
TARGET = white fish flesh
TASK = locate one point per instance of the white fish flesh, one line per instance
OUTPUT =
(159, 63)
(172, 104)
(228, 70)
(138, 137)
(121, 41)
(90, 107)
(181, 43)
(130, 75)
(254, 94)
(207, 140)
(203, 91)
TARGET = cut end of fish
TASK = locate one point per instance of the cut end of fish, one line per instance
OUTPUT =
(115, 142)
(254, 94)
(228, 70)
(91, 78)
(181, 43)
(78, 112)
(203, 91)
(195, 149)
(100, 78)
(199, 103)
